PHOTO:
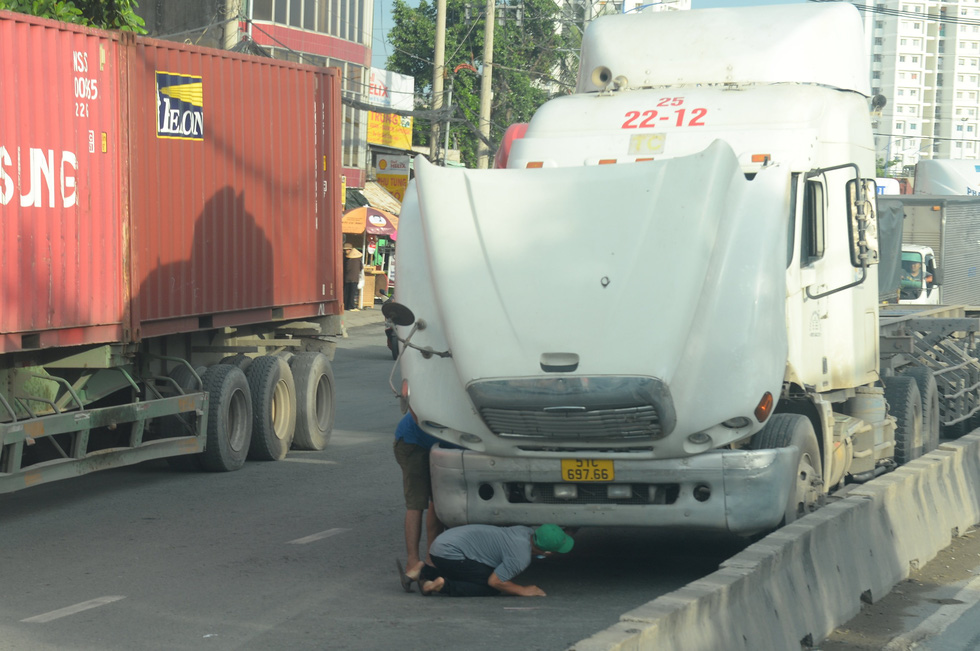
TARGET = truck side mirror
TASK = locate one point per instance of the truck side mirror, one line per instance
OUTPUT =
(937, 277)
(862, 223)
(397, 313)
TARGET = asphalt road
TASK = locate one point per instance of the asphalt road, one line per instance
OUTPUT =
(298, 554)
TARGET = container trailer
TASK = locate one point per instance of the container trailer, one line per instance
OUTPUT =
(170, 236)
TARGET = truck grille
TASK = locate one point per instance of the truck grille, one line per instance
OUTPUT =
(576, 408)
(629, 422)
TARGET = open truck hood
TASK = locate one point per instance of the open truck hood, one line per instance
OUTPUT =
(668, 270)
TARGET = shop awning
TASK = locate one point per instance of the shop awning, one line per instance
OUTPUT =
(371, 221)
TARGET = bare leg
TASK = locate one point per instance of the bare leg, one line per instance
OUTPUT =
(433, 527)
(413, 532)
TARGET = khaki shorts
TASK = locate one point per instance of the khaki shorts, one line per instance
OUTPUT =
(414, 462)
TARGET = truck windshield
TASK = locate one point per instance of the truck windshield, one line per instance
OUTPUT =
(912, 275)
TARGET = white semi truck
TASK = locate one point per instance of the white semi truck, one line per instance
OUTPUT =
(731, 150)
(947, 176)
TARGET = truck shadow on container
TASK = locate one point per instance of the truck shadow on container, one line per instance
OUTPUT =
(230, 267)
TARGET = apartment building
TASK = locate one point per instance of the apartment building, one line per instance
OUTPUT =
(925, 61)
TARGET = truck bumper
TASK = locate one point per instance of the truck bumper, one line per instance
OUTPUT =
(741, 491)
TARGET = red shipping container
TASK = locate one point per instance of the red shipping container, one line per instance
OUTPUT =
(235, 163)
(150, 187)
(61, 209)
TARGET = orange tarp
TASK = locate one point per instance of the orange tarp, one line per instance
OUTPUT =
(371, 221)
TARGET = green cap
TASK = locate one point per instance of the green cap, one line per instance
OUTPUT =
(550, 538)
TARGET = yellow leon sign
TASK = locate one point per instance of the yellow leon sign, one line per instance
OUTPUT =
(390, 90)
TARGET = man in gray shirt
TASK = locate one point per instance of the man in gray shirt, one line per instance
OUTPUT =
(478, 560)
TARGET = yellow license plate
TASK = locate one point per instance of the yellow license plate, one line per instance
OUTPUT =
(587, 470)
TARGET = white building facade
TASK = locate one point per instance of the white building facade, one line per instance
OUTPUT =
(925, 60)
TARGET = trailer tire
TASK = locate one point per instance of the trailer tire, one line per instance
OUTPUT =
(905, 404)
(273, 408)
(787, 430)
(229, 418)
(315, 405)
(929, 394)
(241, 360)
(184, 379)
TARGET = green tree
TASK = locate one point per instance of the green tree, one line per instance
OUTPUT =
(532, 61)
(882, 166)
(105, 14)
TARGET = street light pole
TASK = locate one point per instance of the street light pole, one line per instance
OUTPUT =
(483, 149)
(438, 73)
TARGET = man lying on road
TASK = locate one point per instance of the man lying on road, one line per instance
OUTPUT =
(478, 560)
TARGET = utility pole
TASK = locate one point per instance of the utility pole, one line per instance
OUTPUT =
(438, 73)
(483, 150)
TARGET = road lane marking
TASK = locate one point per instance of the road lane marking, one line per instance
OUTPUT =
(940, 620)
(71, 610)
(322, 461)
(317, 536)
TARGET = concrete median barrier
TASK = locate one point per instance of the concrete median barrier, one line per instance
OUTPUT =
(795, 586)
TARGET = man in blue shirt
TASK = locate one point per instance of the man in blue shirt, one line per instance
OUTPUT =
(477, 560)
(412, 447)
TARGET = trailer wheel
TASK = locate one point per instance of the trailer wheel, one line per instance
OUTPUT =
(929, 394)
(905, 404)
(229, 418)
(241, 360)
(314, 400)
(273, 408)
(787, 430)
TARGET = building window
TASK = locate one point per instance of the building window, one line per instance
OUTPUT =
(959, 127)
(915, 59)
(262, 10)
(901, 91)
(901, 59)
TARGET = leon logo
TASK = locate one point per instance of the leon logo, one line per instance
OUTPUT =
(180, 106)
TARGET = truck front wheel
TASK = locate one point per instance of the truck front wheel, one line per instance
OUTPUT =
(786, 430)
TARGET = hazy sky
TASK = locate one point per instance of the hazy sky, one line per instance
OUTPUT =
(383, 22)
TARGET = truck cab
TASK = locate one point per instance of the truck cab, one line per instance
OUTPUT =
(733, 146)
(918, 284)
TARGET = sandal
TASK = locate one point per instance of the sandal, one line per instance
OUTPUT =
(405, 580)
